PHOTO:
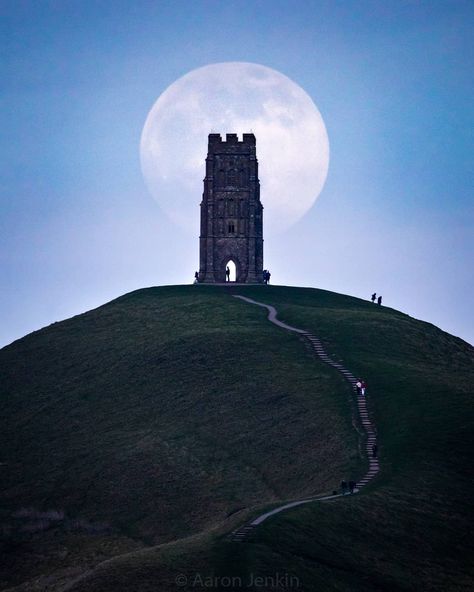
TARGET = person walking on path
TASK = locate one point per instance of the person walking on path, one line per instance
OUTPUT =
(374, 296)
(351, 486)
(359, 386)
(343, 487)
(379, 300)
(227, 274)
(363, 386)
(374, 451)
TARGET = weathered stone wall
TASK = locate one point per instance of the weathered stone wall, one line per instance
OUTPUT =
(231, 211)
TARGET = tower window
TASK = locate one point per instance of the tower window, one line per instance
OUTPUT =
(231, 228)
(232, 177)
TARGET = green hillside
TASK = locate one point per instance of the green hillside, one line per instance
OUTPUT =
(138, 435)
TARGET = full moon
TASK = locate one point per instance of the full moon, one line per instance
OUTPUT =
(235, 97)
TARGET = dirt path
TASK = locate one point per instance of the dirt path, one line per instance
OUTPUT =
(370, 432)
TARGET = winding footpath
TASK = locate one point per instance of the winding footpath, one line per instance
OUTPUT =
(370, 432)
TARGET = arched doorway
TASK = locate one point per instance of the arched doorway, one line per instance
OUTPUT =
(233, 270)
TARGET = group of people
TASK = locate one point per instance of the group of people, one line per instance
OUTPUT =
(374, 298)
(266, 276)
(360, 387)
(347, 487)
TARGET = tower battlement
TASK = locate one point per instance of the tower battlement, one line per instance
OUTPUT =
(231, 140)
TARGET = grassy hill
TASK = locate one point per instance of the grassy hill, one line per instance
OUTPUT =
(138, 434)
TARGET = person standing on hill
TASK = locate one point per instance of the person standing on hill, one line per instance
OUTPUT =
(196, 277)
(351, 486)
(374, 296)
(379, 300)
(227, 274)
(343, 487)
(363, 386)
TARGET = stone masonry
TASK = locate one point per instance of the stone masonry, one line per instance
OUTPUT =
(231, 211)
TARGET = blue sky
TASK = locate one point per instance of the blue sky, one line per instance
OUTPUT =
(393, 82)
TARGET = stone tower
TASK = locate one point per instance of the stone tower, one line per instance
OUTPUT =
(231, 212)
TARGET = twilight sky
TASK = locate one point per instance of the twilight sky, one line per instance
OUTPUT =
(392, 80)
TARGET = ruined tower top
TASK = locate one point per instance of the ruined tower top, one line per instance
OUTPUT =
(231, 140)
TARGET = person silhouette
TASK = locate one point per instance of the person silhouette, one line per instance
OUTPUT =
(196, 277)
(374, 296)
(227, 274)
(379, 300)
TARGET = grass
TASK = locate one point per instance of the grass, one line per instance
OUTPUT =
(177, 411)
(164, 412)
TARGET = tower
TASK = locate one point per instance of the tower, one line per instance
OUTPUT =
(231, 211)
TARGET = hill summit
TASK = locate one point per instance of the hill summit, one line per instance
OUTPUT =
(143, 431)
